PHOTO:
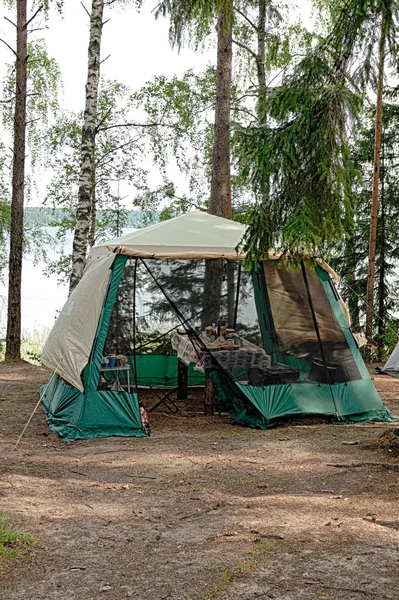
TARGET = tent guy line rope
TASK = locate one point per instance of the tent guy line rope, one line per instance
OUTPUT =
(37, 405)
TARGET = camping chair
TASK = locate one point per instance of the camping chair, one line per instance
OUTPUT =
(164, 398)
(158, 373)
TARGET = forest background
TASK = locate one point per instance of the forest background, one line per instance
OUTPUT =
(302, 131)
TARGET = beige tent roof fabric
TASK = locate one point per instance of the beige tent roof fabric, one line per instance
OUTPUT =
(194, 235)
(70, 342)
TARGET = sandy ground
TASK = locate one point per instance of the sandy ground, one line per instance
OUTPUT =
(202, 509)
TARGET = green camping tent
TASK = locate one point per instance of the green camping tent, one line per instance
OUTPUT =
(154, 280)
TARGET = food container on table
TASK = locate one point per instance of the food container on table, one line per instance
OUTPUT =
(237, 341)
(121, 360)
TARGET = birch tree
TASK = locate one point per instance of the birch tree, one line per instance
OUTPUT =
(86, 197)
(84, 206)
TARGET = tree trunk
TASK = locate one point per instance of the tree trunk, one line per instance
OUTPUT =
(381, 295)
(87, 167)
(260, 62)
(182, 380)
(209, 395)
(212, 292)
(376, 178)
(13, 336)
(231, 294)
(220, 201)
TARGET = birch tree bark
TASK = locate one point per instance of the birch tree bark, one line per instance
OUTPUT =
(376, 180)
(87, 167)
(13, 335)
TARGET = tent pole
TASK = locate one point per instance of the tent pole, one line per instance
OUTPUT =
(237, 296)
(323, 358)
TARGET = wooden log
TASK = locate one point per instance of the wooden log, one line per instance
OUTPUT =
(182, 380)
(209, 395)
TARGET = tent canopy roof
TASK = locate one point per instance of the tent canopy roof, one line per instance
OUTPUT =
(192, 235)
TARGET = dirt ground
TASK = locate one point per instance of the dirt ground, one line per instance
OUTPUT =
(202, 509)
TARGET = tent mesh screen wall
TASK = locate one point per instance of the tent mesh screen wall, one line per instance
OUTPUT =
(275, 341)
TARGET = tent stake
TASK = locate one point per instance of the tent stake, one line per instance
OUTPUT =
(36, 407)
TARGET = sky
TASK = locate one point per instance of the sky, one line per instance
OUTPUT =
(137, 45)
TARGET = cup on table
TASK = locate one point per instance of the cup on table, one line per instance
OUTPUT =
(112, 361)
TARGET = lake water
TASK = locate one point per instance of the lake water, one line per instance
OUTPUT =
(42, 297)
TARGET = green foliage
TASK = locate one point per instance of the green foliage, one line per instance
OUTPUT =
(32, 345)
(13, 541)
(239, 570)
(305, 158)
(265, 545)
(355, 35)
(190, 20)
(44, 78)
(352, 263)
(283, 39)
(173, 130)
(176, 110)
(45, 4)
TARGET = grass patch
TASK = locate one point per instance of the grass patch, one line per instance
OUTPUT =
(227, 576)
(12, 541)
(224, 581)
(264, 545)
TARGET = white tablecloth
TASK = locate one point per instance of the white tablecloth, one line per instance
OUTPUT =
(246, 357)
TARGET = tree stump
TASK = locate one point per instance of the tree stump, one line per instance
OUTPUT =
(182, 380)
(209, 395)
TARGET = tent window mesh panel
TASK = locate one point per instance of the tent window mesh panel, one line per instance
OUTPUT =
(295, 338)
(283, 322)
